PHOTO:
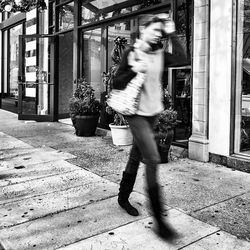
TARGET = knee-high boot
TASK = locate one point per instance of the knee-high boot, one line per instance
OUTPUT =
(163, 229)
(126, 187)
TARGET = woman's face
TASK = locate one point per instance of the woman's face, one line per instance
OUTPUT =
(152, 33)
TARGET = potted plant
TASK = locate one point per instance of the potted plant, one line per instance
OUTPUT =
(120, 131)
(164, 127)
(84, 109)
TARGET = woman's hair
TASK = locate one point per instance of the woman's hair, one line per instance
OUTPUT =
(146, 20)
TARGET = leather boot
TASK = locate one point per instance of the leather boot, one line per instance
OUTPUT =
(163, 229)
(126, 187)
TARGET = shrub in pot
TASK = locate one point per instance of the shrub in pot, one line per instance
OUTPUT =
(84, 109)
(120, 131)
(164, 128)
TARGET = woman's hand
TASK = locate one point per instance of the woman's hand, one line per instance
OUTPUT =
(137, 65)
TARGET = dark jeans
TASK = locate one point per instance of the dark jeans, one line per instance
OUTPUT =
(144, 147)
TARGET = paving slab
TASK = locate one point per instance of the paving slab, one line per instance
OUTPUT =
(232, 215)
(9, 154)
(47, 185)
(36, 156)
(64, 228)
(25, 129)
(8, 142)
(55, 140)
(12, 175)
(191, 186)
(219, 241)
(105, 160)
(140, 235)
(18, 212)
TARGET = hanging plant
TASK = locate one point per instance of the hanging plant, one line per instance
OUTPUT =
(22, 5)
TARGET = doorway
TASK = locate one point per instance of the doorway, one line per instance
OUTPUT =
(9, 98)
(36, 93)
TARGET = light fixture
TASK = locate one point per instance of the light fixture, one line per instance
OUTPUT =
(7, 7)
(22, 5)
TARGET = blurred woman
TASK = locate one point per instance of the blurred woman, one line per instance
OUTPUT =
(146, 56)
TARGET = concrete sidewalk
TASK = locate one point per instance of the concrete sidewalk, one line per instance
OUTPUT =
(59, 191)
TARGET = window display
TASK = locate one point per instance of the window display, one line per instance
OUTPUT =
(243, 79)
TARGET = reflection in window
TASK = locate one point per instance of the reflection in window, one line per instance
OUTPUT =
(66, 16)
(101, 9)
(183, 19)
(14, 59)
(245, 77)
(92, 59)
(124, 30)
(52, 18)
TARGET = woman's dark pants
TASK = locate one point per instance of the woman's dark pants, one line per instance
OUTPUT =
(144, 147)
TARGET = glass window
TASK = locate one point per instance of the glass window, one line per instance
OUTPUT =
(124, 30)
(245, 120)
(10, 60)
(66, 17)
(52, 16)
(102, 9)
(183, 20)
(243, 79)
(5, 62)
(65, 71)
(92, 53)
(181, 97)
(14, 59)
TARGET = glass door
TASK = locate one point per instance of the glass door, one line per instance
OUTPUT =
(36, 93)
(180, 89)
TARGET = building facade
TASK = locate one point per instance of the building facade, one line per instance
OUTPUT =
(43, 53)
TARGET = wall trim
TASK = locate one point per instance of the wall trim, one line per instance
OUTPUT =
(235, 162)
(233, 77)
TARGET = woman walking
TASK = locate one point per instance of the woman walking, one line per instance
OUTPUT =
(146, 56)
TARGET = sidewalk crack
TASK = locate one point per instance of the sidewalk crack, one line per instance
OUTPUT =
(230, 198)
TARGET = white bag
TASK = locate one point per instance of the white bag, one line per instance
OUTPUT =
(126, 101)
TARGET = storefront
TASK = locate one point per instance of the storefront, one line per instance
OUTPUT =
(220, 83)
(71, 39)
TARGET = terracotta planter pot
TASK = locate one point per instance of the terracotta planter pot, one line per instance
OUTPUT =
(86, 125)
(121, 135)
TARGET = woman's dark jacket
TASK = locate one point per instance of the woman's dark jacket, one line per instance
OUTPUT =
(124, 72)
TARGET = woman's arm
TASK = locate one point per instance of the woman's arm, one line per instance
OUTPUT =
(124, 73)
(176, 59)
